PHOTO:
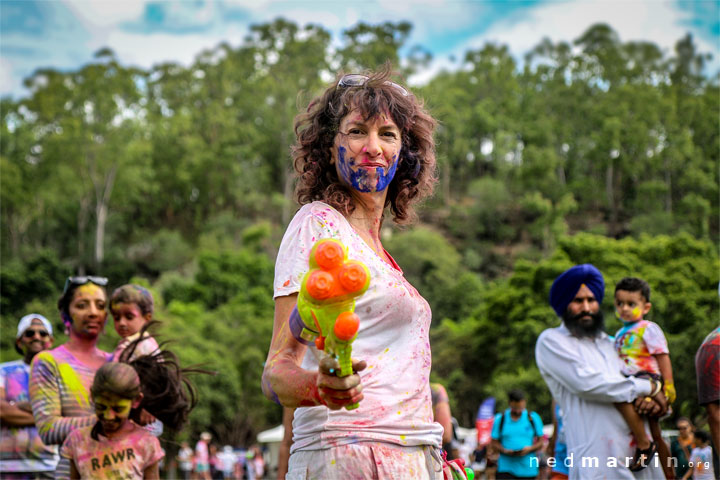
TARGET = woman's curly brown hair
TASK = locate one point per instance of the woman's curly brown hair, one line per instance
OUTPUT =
(317, 127)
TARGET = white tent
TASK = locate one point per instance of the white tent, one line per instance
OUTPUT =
(272, 439)
(274, 435)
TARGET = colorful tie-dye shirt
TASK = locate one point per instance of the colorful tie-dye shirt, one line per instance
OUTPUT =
(124, 457)
(60, 394)
(21, 449)
(393, 339)
(636, 343)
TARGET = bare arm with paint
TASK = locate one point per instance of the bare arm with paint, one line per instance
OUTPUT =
(47, 403)
(152, 472)
(665, 366)
(13, 416)
(285, 382)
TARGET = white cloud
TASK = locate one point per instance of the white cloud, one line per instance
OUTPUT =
(327, 19)
(147, 50)
(658, 22)
(8, 81)
(436, 66)
(106, 13)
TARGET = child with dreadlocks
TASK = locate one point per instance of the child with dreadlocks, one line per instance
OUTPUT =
(132, 309)
(116, 447)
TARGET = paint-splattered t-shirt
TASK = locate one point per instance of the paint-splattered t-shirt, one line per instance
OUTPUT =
(707, 368)
(124, 457)
(60, 394)
(393, 340)
(637, 343)
(21, 449)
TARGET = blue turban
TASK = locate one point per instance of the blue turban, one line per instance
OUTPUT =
(566, 286)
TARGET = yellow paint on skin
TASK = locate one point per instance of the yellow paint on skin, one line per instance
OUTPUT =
(636, 312)
(88, 289)
(71, 380)
(123, 406)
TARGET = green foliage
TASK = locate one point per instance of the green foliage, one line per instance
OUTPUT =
(182, 176)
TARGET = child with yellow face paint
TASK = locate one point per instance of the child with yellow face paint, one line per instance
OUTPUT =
(115, 447)
(643, 349)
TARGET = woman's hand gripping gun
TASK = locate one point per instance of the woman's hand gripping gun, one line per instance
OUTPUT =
(326, 303)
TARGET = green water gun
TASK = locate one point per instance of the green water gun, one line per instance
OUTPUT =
(325, 312)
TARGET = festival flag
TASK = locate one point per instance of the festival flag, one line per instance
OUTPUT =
(484, 420)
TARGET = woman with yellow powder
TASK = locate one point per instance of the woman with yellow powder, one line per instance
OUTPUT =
(61, 378)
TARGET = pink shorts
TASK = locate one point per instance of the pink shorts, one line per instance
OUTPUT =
(367, 460)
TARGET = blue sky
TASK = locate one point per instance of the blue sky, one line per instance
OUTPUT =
(64, 34)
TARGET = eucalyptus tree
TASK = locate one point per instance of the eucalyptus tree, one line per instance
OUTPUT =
(87, 138)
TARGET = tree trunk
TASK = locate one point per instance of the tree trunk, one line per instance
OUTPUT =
(101, 210)
(82, 225)
(610, 195)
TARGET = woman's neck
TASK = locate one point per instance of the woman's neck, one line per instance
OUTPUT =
(80, 344)
(367, 218)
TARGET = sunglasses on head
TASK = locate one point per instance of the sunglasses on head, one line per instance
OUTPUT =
(357, 80)
(31, 333)
(82, 280)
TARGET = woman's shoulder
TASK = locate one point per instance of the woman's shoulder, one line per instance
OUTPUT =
(51, 356)
(319, 210)
(320, 219)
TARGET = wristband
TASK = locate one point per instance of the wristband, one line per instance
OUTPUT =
(657, 387)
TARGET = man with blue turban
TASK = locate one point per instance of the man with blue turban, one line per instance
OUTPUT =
(582, 370)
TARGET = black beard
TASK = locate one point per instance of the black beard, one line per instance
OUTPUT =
(572, 322)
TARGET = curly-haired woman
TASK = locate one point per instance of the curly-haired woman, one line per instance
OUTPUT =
(364, 146)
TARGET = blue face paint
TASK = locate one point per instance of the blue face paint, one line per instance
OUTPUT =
(363, 179)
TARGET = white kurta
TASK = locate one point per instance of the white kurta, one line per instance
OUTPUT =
(584, 378)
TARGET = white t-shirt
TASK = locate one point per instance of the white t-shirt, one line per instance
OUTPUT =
(393, 339)
(702, 463)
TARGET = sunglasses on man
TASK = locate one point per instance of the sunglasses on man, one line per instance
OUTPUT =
(29, 333)
(82, 280)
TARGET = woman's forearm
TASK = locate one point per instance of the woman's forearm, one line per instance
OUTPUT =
(284, 381)
(289, 385)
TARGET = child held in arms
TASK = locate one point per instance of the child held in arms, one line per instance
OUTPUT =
(643, 350)
(132, 309)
